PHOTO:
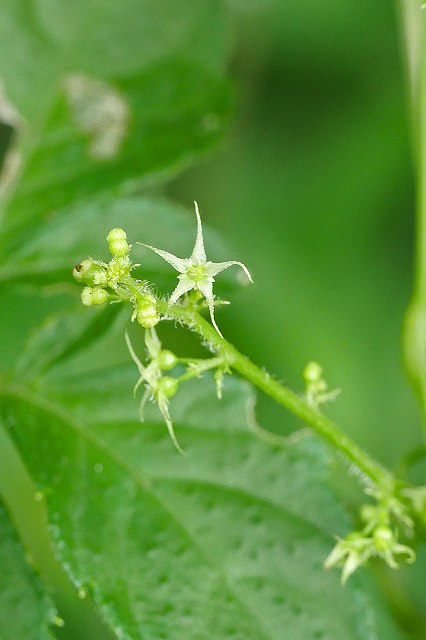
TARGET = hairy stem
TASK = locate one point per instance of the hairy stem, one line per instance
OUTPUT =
(374, 471)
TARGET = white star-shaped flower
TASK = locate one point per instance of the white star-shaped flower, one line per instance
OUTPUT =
(196, 272)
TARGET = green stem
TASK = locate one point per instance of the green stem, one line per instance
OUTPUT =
(414, 333)
(376, 473)
(200, 367)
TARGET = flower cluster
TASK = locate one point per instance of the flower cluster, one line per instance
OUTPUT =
(162, 372)
(378, 537)
(160, 387)
(112, 282)
(357, 548)
(157, 386)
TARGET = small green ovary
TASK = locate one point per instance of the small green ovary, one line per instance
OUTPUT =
(197, 273)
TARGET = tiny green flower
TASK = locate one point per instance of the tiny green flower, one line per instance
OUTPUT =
(316, 387)
(119, 267)
(158, 387)
(358, 547)
(196, 272)
(350, 552)
(388, 548)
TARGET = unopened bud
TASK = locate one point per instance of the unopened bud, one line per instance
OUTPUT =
(312, 372)
(95, 295)
(117, 242)
(89, 272)
(148, 316)
(166, 360)
(83, 270)
(168, 386)
(146, 312)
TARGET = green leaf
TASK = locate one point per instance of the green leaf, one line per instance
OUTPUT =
(227, 541)
(74, 233)
(25, 610)
(125, 92)
(136, 128)
(41, 42)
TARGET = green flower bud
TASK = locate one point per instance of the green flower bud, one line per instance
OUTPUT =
(147, 316)
(166, 360)
(83, 269)
(319, 386)
(89, 272)
(312, 372)
(117, 242)
(168, 386)
(96, 295)
(146, 311)
(116, 234)
(99, 295)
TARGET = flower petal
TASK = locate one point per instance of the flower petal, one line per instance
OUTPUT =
(185, 284)
(180, 264)
(145, 397)
(336, 555)
(352, 563)
(198, 254)
(213, 268)
(407, 553)
(137, 385)
(138, 363)
(163, 405)
(206, 289)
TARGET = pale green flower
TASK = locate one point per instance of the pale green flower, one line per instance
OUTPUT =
(158, 387)
(350, 553)
(196, 272)
(358, 547)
